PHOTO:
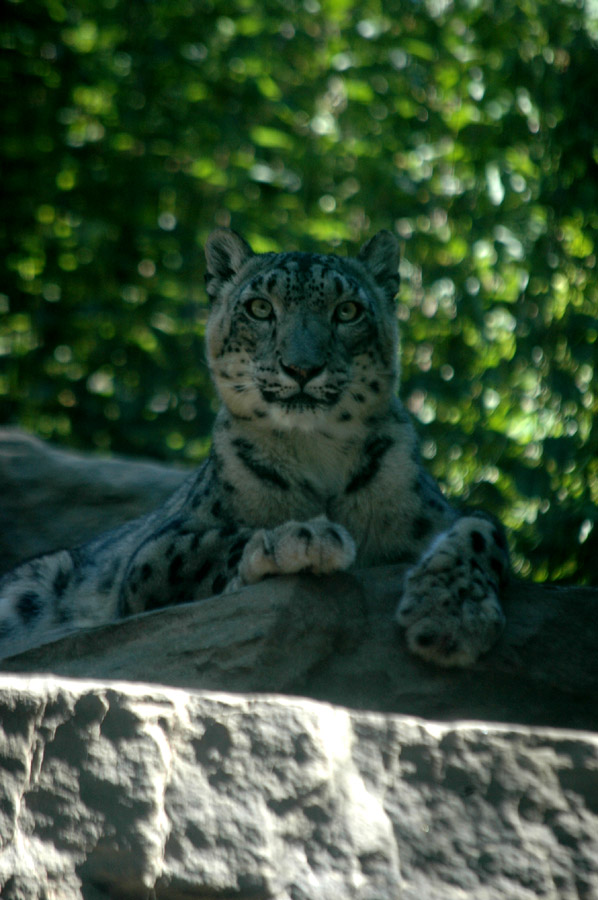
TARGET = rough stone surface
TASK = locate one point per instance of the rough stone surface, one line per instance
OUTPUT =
(115, 789)
(131, 791)
(333, 639)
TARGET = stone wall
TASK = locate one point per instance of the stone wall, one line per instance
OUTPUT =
(130, 791)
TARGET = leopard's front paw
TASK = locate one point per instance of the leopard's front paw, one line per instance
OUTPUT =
(317, 546)
(451, 614)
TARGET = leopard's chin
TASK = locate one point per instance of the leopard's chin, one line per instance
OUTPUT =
(298, 417)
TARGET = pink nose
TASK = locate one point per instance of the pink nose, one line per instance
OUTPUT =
(302, 376)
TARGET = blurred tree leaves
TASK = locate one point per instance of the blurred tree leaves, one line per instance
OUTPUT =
(129, 129)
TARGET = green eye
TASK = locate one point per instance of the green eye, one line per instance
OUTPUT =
(259, 309)
(348, 311)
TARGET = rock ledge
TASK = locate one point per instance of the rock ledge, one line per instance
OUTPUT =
(133, 791)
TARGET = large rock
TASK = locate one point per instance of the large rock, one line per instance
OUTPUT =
(134, 792)
(52, 498)
(112, 789)
(333, 639)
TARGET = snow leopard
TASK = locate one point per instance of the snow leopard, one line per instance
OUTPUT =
(314, 467)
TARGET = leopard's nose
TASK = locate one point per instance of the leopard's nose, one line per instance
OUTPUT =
(302, 375)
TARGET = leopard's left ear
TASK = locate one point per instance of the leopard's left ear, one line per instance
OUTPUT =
(380, 256)
(226, 252)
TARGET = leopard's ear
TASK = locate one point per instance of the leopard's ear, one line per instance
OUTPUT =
(380, 256)
(226, 253)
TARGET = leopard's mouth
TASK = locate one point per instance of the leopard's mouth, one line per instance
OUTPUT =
(300, 401)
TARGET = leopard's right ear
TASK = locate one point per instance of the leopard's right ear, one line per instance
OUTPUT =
(226, 253)
(380, 255)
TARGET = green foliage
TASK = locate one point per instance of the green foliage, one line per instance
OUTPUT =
(128, 129)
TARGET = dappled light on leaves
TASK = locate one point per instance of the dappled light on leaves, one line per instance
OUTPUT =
(129, 130)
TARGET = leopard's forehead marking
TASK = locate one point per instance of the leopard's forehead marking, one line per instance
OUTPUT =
(297, 277)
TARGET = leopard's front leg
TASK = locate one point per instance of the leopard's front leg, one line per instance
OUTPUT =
(177, 564)
(450, 608)
(317, 546)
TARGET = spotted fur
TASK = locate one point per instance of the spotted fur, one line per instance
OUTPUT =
(314, 467)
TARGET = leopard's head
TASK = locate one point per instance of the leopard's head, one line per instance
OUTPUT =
(299, 340)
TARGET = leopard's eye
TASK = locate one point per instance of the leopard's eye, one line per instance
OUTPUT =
(259, 309)
(349, 311)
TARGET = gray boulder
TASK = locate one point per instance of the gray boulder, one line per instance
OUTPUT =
(333, 639)
(53, 498)
(130, 791)
(144, 784)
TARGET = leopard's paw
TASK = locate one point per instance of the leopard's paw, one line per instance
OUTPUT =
(450, 610)
(317, 546)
